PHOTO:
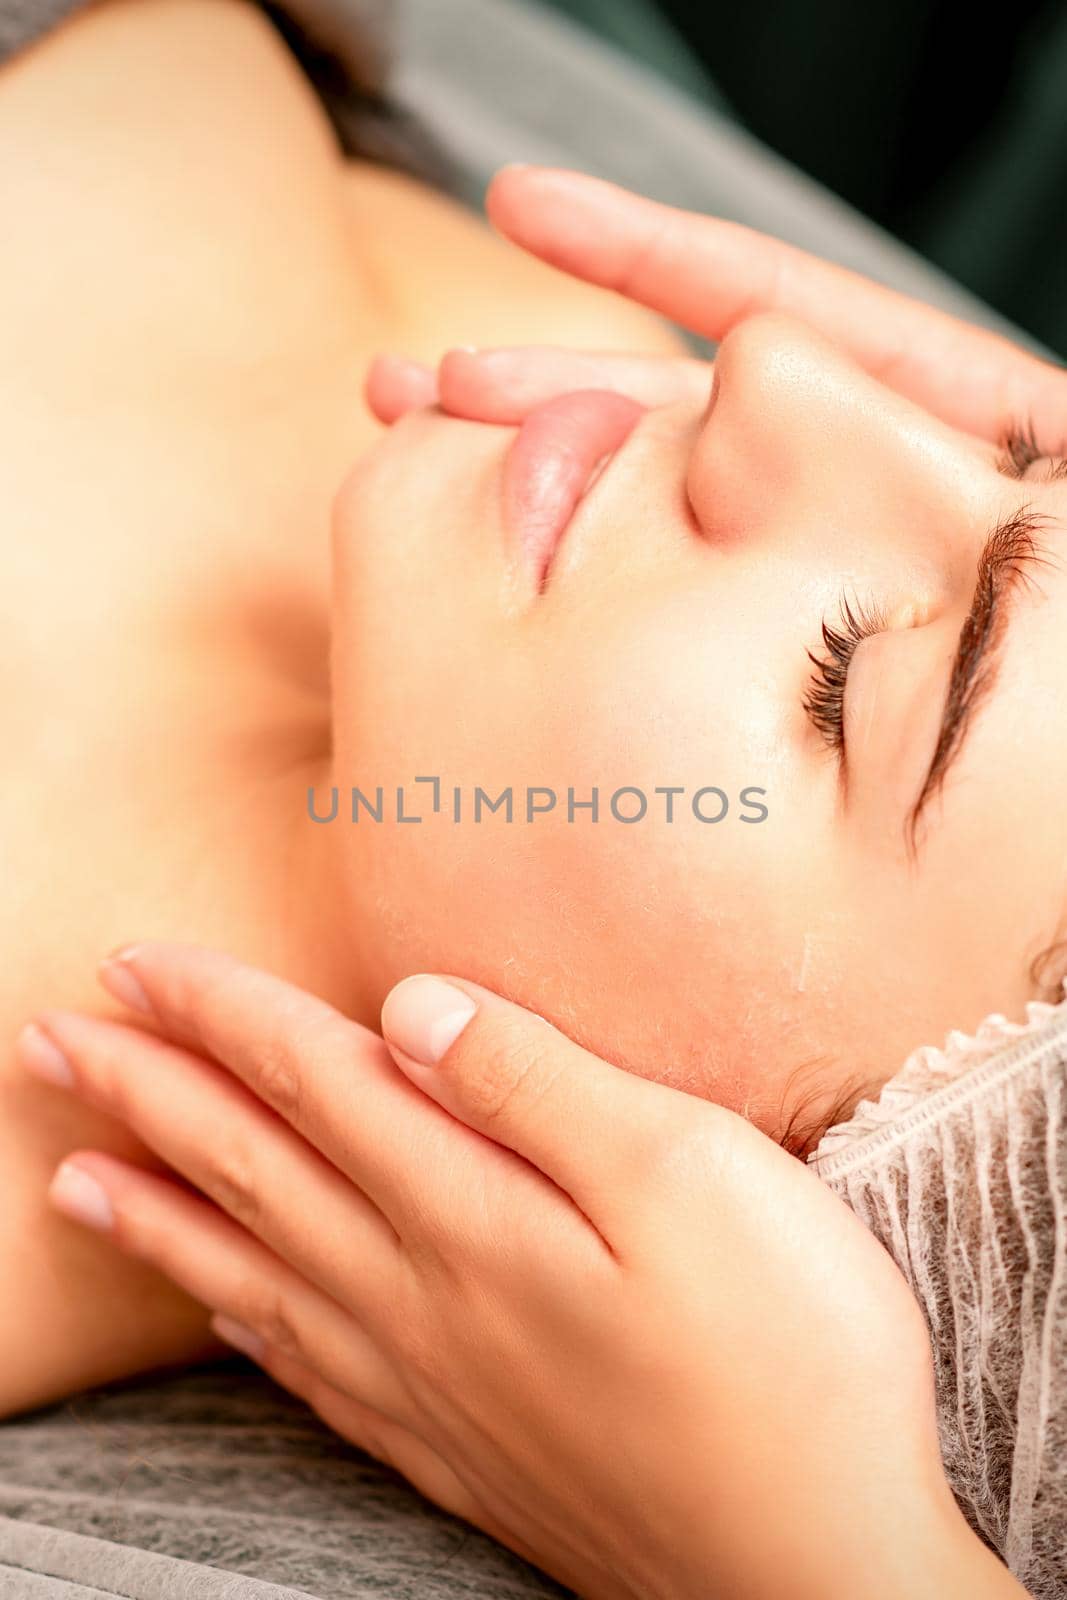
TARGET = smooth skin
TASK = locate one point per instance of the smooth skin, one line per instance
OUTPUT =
(502, 1069)
(179, 400)
(168, 469)
(617, 1329)
(672, 645)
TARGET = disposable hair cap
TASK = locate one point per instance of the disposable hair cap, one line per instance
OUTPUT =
(960, 1169)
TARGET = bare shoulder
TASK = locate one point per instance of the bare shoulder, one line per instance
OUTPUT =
(452, 280)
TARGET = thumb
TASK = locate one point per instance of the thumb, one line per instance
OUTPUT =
(593, 1128)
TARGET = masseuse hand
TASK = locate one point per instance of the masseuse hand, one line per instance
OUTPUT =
(608, 1323)
(709, 275)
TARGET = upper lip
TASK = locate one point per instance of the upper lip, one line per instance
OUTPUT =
(550, 462)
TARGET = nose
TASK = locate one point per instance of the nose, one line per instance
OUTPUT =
(799, 442)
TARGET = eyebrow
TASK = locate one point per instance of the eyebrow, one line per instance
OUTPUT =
(1010, 549)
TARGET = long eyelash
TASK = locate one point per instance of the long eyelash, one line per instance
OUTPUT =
(1019, 449)
(824, 701)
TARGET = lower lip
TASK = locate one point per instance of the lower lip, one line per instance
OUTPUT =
(551, 461)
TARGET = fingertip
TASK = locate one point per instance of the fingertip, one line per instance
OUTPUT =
(39, 1054)
(395, 385)
(77, 1192)
(518, 185)
(514, 174)
(461, 359)
(116, 974)
(468, 386)
(424, 1015)
(500, 186)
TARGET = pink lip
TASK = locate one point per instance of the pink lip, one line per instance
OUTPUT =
(550, 463)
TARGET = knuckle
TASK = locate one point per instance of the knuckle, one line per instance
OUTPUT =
(233, 1182)
(284, 1035)
(510, 1073)
(430, 1249)
(268, 1313)
(278, 1083)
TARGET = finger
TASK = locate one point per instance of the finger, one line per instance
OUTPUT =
(212, 1131)
(588, 1126)
(394, 386)
(330, 1079)
(709, 275)
(369, 1429)
(156, 1220)
(336, 1084)
(505, 385)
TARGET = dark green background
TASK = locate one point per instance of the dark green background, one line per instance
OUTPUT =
(949, 130)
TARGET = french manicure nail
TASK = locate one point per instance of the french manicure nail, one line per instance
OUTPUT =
(120, 980)
(42, 1056)
(77, 1194)
(425, 1016)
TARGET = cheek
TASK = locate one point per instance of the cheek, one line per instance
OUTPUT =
(653, 943)
(647, 944)
(586, 929)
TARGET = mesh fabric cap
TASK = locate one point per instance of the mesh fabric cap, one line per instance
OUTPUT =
(960, 1170)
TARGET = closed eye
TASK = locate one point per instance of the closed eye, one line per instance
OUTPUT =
(1009, 551)
(824, 701)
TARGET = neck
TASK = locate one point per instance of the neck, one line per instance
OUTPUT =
(323, 938)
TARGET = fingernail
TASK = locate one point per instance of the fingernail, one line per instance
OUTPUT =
(235, 1333)
(42, 1056)
(120, 980)
(77, 1194)
(425, 1016)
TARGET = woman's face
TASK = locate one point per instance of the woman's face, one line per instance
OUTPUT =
(667, 648)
